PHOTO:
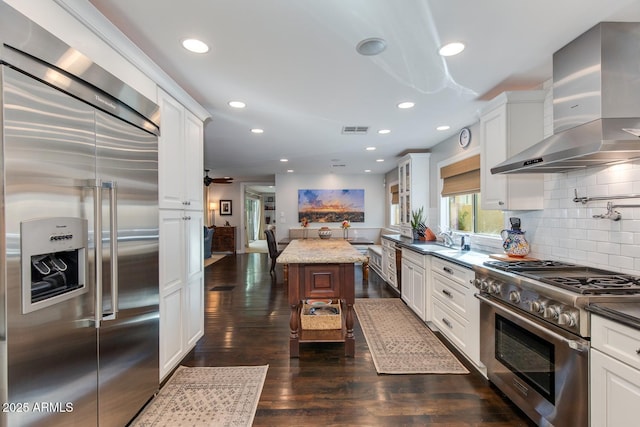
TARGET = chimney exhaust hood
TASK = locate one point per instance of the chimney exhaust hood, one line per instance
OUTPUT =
(596, 105)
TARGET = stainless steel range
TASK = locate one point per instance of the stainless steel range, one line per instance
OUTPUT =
(535, 332)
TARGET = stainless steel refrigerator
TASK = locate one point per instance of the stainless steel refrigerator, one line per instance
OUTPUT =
(79, 229)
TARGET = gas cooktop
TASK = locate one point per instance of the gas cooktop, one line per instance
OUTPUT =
(575, 278)
(528, 265)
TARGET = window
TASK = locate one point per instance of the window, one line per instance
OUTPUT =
(461, 199)
(463, 213)
(394, 211)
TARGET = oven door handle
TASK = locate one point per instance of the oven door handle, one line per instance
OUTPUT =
(574, 344)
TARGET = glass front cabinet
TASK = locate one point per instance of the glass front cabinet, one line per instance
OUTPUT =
(413, 179)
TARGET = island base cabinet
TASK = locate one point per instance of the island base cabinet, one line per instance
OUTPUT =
(321, 281)
(615, 392)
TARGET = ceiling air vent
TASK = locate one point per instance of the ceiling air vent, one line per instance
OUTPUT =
(339, 166)
(355, 130)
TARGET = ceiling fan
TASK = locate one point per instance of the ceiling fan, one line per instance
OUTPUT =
(224, 180)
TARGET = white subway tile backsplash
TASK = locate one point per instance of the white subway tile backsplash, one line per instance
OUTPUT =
(597, 235)
(567, 231)
(621, 262)
(609, 248)
(625, 237)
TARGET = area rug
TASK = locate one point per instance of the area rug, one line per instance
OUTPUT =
(400, 343)
(206, 396)
(214, 258)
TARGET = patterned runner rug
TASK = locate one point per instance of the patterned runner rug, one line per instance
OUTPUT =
(206, 396)
(400, 343)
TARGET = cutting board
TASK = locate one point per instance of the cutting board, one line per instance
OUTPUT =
(505, 257)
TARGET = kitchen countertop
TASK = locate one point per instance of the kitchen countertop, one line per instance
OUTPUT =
(320, 251)
(464, 258)
(627, 313)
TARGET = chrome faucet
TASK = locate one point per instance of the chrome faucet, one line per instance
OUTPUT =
(447, 238)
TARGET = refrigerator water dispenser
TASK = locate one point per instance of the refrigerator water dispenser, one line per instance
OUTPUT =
(53, 261)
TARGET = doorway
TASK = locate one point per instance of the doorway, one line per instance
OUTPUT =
(259, 210)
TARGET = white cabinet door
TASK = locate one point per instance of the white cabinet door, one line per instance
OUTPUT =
(171, 330)
(171, 250)
(493, 135)
(180, 156)
(413, 175)
(615, 392)
(171, 177)
(407, 282)
(181, 285)
(419, 281)
(511, 123)
(194, 310)
(414, 286)
(194, 160)
(194, 232)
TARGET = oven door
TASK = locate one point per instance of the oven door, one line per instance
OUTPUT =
(540, 367)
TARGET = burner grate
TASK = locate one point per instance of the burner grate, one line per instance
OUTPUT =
(609, 284)
(528, 265)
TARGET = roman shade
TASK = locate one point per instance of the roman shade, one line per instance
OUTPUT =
(462, 177)
(395, 194)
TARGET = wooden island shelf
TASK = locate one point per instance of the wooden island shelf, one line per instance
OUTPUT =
(321, 269)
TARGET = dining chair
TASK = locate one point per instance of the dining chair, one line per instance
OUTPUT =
(274, 253)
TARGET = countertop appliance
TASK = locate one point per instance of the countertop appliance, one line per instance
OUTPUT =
(535, 332)
(79, 242)
(596, 113)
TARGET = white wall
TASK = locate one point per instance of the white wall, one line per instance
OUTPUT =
(287, 186)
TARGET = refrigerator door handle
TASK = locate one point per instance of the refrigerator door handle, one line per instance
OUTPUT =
(97, 241)
(113, 248)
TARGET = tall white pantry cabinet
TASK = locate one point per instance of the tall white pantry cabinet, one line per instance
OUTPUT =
(180, 159)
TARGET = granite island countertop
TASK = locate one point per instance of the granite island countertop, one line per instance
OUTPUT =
(320, 251)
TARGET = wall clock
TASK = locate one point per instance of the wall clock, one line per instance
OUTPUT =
(464, 137)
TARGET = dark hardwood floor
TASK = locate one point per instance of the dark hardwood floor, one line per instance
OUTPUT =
(247, 323)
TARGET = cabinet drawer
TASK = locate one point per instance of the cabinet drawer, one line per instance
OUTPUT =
(386, 243)
(450, 294)
(450, 324)
(414, 257)
(619, 341)
(455, 272)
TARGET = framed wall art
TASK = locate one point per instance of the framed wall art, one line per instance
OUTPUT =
(225, 207)
(331, 205)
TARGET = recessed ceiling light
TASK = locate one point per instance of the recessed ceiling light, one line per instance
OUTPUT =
(195, 45)
(372, 46)
(444, 127)
(379, 160)
(284, 160)
(289, 170)
(257, 130)
(237, 104)
(451, 49)
(384, 131)
(367, 170)
(406, 104)
(370, 148)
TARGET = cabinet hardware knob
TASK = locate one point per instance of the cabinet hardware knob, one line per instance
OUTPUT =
(448, 270)
(638, 351)
(447, 293)
(501, 203)
(446, 322)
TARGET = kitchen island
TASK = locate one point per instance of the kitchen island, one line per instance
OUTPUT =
(321, 269)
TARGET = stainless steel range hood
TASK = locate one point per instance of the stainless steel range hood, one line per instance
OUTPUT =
(596, 106)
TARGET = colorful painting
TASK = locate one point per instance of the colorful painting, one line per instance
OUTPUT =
(331, 205)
